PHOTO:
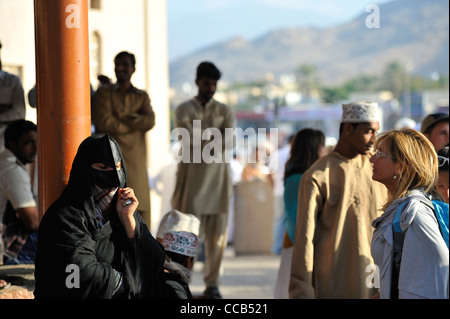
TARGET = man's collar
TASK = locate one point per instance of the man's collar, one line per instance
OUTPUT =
(197, 101)
(116, 87)
(13, 158)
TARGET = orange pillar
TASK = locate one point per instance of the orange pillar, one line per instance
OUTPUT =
(63, 92)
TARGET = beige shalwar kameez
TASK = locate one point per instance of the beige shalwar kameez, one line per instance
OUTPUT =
(338, 200)
(126, 117)
(203, 188)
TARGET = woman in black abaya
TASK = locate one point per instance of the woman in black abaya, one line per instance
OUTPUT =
(92, 243)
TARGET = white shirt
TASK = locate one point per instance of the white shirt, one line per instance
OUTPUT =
(15, 186)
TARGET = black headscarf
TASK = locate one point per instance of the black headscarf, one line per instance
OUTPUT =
(98, 148)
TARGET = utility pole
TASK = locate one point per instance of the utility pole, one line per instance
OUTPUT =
(63, 91)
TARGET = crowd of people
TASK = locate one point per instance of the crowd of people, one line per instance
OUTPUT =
(336, 211)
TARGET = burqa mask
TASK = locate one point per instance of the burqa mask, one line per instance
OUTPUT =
(103, 150)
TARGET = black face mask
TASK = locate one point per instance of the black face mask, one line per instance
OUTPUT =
(105, 151)
(104, 179)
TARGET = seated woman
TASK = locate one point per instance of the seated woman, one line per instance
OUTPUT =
(92, 243)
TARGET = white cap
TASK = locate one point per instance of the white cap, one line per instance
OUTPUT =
(360, 112)
(178, 221)
(181, 242)
(405, 122)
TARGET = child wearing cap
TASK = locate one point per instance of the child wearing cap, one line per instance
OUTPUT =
(180, 251)
(178, 233)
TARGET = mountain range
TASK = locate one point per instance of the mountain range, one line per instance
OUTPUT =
(412, 32)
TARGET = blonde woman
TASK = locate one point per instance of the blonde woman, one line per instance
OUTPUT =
(412, 263)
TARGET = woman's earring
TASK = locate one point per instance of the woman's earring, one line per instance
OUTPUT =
(395, 176)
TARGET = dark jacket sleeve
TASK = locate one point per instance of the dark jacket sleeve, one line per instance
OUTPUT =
(141, 260)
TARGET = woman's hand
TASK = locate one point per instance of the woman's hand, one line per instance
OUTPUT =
(3, 284)
(127, 204)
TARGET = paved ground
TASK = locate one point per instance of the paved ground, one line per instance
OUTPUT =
(244, 276)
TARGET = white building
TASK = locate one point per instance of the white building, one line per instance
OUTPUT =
(137, 26)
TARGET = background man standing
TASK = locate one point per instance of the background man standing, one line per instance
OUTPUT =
(338, 200)
(126, 114)
(12, 101)
(204, 189)
(435, 127)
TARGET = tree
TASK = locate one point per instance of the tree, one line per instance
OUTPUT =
(308, 80)
(394, 78)
(362, 82)
(333, 95)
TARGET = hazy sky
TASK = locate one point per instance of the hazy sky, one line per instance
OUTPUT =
(194, 24)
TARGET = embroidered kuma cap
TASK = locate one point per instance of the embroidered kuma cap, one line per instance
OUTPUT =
(181, 242)
(175, 220)
(360, 112)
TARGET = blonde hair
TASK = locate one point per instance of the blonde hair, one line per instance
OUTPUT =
(416, 157)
